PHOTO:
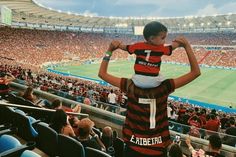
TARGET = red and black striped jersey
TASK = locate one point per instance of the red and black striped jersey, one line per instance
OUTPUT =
(146, 125)
(148, 57)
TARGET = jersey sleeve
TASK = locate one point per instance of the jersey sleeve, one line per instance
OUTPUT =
(131, 48)
(167, 50)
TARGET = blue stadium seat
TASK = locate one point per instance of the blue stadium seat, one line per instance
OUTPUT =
(8, 142)
(47, 139)
(20, 111)
(15, 149)
(28, 153)
(68, 146)
(91, 152)
(24, 125)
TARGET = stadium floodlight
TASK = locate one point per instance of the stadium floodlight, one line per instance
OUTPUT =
(184, 25)
(208, 23)
(219, 23)
(228, 22)
(202, 24)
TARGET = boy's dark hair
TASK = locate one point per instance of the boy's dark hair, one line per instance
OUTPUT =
(152, 29)
(215, 141)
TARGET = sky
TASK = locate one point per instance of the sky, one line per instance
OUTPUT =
(143, 8)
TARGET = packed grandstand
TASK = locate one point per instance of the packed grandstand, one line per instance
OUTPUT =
(26, 54)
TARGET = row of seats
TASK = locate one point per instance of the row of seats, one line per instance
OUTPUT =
(11, 146)
(47, 139)
(45, 115)
(53, 144)
(19, 119)
(20, 100)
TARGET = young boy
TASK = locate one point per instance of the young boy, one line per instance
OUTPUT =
(148, 55)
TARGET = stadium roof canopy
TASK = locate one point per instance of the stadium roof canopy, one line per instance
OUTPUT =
(28, 11)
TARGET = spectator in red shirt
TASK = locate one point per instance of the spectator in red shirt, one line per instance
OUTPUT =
(212, 124)
(202, 116)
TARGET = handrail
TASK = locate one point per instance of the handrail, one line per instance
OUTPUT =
(118, 118)
(200, 129)
(2, 103)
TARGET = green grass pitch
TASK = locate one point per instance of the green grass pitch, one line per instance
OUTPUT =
(216, 86)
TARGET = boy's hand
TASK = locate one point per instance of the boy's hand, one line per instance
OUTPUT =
(182, 41)
(175, 45)
(123, 47)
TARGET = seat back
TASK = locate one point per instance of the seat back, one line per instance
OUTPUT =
(11, 98)
(91, 152)
(25, 128)
(47, 139)
(19, 100)
(29, 103)
(28, 153)
(8, 142)
(119, 147)
(6, 115)
(17, 151)
(68, 146)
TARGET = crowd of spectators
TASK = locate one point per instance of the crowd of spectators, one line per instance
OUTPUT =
(202, 122)
(207, 57)
(214, 38)
(32, 48)
(87, 92)
(24, 51)
(81, 90)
